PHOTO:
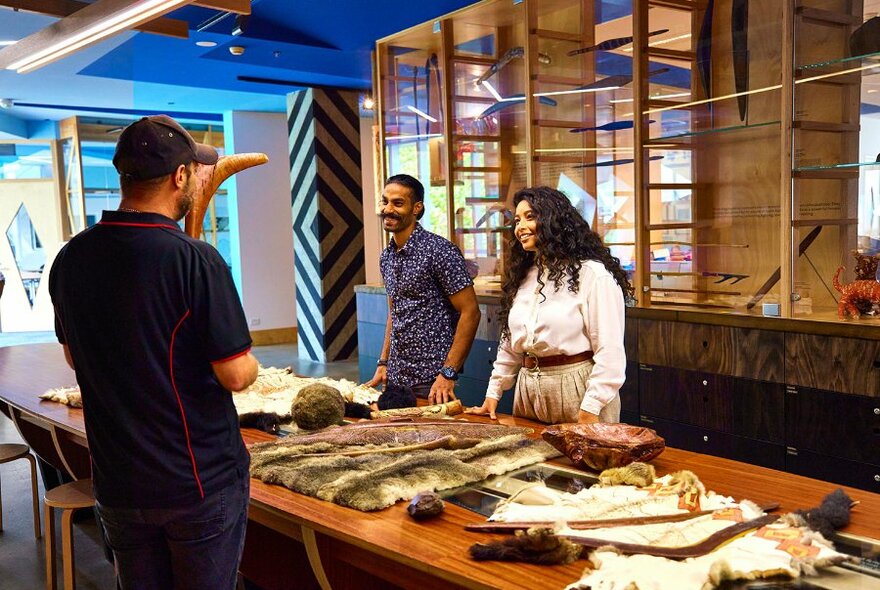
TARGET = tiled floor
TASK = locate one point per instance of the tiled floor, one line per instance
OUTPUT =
(22, 564)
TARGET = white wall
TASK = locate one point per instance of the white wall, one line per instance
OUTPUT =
(261, 220)
(372, 227)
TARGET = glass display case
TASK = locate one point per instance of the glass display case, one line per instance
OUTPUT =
(835, 173)
(725, 150)
(710, 99)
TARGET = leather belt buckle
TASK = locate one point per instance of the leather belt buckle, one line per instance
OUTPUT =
(532, 356)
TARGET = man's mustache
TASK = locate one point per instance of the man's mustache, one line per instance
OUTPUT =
(394, 216)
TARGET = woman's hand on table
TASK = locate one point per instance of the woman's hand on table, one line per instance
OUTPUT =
(587, 418)
(489, 406)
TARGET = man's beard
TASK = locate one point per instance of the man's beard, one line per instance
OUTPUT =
(185, 201)
(393, 216)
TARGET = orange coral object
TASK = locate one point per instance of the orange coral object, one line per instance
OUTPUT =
(208, 180)
(856, 291)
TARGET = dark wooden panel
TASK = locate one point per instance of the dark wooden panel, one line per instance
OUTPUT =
(629, 418)
(719, 444)
(743, 407)
(849, 473)
(739, 352)
(833, 424)
(629, 393)
(847, 365)
(631, 339)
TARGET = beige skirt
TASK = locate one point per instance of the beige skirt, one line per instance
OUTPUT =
(554, 395)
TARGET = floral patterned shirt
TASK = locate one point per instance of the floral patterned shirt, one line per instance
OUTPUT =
(419, 278)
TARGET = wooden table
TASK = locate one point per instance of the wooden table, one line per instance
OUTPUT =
(295, 541)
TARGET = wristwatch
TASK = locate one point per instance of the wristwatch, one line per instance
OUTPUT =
(449, 373)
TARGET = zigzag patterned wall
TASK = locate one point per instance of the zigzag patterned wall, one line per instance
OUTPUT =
(325, 179)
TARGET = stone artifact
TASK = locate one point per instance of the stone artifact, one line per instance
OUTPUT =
(602, 446)
(425, 505)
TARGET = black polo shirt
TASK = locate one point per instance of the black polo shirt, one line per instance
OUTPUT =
(145, 310)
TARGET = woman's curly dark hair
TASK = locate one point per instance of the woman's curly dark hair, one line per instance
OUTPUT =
(564, 239)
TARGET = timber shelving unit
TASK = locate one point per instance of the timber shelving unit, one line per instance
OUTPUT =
(711, 199)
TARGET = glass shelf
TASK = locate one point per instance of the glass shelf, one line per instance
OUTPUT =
(841, 61)
(654, 140)
(836, 166)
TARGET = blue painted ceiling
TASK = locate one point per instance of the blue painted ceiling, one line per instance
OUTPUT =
(288, 44)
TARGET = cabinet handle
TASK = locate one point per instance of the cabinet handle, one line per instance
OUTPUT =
(877, 411)
(877, 477)
(705, 344)
(705, 382)
(705, 438)
(877, 364)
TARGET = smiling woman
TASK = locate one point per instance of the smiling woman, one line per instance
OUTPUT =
(561, 317)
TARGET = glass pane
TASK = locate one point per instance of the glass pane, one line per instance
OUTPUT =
(834, 159)
(411, 75)
(489, 134)
(27, 250)
(25, 161)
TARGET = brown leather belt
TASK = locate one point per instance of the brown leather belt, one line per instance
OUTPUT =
(531, 361)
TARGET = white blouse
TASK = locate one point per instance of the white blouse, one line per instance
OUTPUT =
(567, 323)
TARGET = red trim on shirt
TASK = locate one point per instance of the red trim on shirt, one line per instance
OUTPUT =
(180, 403)
(127, 224)
(235, 356)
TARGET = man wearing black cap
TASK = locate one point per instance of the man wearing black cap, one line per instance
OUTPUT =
(152, 324)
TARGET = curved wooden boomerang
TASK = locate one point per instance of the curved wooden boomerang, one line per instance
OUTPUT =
(209, 179)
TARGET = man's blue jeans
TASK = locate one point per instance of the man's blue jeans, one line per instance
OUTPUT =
(195, 547)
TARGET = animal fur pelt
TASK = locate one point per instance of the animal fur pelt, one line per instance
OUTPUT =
(536, 545)
(374, 481)
(405, 432)
(396, 396)
(832, 514)
(265, 421)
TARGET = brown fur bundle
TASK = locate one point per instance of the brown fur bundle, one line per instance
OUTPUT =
(536, 545)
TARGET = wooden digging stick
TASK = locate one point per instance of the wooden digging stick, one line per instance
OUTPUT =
(585, 525)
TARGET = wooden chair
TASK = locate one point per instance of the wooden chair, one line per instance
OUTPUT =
(12, 452)
(69, 498)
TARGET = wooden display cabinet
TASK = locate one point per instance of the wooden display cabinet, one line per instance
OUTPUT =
(723, 149)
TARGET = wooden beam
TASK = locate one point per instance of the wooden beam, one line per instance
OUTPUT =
(33, 46)
(236, 6)
(60, 8)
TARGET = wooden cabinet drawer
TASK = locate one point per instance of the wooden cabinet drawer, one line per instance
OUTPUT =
(743, 407)
(724, 350)
(833, 424)
(702, 440)
(847, 365)
(841, 471)
(629, 393)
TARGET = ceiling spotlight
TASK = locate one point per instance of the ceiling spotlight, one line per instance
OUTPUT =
(206, 43)
(236, 50)
(6, 103)
(240, 25)
(368, 103)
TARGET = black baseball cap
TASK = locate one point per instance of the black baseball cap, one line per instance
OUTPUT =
(155, 146)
